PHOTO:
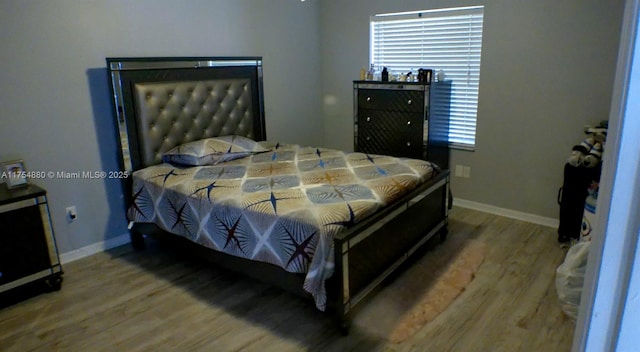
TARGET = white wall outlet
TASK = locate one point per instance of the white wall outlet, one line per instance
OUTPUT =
(466, 172)
(459, 170)
(72, 214)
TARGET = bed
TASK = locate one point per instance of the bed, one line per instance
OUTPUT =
(326, 224)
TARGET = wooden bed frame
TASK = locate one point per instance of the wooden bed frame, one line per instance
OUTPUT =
(365, 254)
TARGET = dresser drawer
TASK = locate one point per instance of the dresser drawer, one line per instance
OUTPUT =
(389, 142)
(390, 120)
(392, 100)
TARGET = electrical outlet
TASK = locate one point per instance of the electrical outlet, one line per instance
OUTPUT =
(72, 214)
(466, 172)
(459, 170)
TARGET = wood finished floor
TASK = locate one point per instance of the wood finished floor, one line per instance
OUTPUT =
(157, 300)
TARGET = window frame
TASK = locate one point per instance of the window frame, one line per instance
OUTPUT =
(465, 80)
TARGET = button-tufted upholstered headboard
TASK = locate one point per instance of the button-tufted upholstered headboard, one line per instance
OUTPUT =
(160, 103)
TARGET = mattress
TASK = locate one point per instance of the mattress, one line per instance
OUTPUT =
(281, 207)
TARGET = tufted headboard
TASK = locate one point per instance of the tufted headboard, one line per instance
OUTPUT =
(160, 103)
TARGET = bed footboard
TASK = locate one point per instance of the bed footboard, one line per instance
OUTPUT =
(366, 257)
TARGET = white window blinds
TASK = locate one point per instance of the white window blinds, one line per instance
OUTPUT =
(446, 39)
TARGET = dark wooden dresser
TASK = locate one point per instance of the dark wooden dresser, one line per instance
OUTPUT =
(406, 119)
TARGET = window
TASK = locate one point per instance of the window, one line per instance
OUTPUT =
(445, 39)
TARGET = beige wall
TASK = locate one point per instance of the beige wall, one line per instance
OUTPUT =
(54, 99)
(547, 70)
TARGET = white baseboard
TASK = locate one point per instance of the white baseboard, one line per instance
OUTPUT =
(508, 213)
(94, 248)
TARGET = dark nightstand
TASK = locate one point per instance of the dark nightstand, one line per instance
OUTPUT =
(28, 251)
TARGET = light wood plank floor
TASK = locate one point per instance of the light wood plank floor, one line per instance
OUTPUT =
(157, 300)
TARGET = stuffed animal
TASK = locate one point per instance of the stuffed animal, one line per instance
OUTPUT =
(589, 152)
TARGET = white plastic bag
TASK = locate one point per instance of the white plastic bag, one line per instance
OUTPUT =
(570, 278)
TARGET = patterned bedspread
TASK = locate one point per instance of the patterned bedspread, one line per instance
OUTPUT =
(281, 207)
